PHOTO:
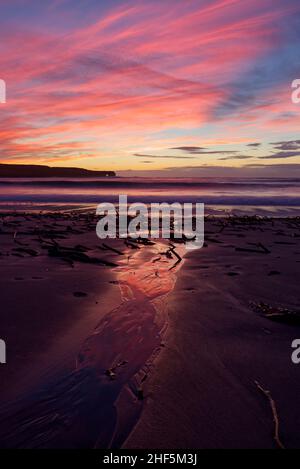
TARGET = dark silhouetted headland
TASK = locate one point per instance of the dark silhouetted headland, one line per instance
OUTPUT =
(20, 170)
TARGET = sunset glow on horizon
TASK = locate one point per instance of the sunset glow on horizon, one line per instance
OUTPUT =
(200, 87)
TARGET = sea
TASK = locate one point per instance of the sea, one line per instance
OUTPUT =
(252, 196)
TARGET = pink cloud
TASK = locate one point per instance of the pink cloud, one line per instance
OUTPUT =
(141, 67)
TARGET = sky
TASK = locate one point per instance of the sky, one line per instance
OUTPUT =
(170, 88)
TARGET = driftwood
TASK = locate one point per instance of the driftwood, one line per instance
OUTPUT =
(266, 250)
(110, 248)
(277, 313)
(285, 243)
(17, 241)
(179, 259)
(111, 373)
(131, 245)
(261, 249)
(30, 252)
(72, 255)
(144, 241)
(213, 240)
(274, 413)
(156, 259)
(167, 253)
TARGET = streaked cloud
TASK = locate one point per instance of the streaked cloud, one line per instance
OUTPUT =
(203, 151)
(248, 170)
(236, 157)
(281, 154)
(254, 145)
(95, 83)
(287, 145)
(141, 155)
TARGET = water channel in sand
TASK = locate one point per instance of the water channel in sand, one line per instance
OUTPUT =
(98, 404)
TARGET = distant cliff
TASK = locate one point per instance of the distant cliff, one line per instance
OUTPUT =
(39, 171)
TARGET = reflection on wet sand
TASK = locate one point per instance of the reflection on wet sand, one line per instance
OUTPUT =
(98, 403)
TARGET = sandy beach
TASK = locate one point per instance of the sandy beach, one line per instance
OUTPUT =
(204, 390)
(119, 344)
(125, 327)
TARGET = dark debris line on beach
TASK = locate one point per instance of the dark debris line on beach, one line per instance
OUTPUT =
(72, 255)
(277, 313)
(54, 412)
(47, 239)
(273, 406)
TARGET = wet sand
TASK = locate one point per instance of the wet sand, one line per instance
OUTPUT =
(47, 305)
(117, 344)
(204, 390)
(78, 382)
